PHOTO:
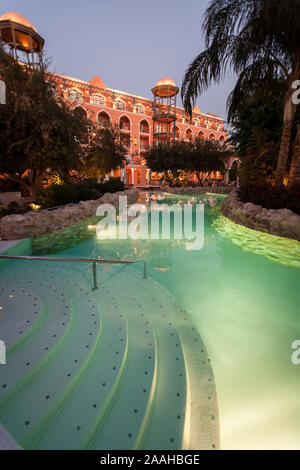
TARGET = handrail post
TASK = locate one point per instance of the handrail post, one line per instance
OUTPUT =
(145, 271)
(94, 276)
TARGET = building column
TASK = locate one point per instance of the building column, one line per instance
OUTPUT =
(149, 176)
(226, 177)
(2, 92)
(132, 176)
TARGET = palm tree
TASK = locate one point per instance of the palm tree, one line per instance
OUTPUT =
(260, 41)
(294, 175)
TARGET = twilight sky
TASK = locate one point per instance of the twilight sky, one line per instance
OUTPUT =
(130, 44)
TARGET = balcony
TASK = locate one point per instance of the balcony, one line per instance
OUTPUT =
(120, 105)
(124, 128)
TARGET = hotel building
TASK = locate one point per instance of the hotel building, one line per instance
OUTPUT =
(136, 116)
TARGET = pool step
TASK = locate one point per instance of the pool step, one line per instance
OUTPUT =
(142, 379)
(58, 372)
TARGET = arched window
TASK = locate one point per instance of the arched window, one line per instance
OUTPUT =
(99, 100)
(140, 109)
(120, 104)
(144, 127)
(201, 135)
(80, 111)
(189, 134)
(124, 123)
(212, 137)
(103, 119)
(222, 138)
(75, 95)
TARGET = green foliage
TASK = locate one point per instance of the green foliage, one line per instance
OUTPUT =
(37, 130)
(208, 156)
(112, 186)
(174, 158)
(106, 151)
(270, 197)
(58, 195)
(14, 208)
(259, 164)
(261, 110)
(258, 40)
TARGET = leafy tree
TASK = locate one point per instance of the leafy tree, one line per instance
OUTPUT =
(201, 157)
(169, 159)
(258, 166)
(262, 111)
(207, 156)
(259, 41)
(106, 151)
(294, 177)
(37, 130)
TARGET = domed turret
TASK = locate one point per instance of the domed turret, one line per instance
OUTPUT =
(164, 110)
(165, 87)
(17, 18)
(19, 34)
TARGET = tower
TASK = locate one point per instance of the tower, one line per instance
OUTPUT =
(164, 110)
(20, 36)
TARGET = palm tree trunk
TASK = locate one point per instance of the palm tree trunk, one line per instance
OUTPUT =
(288, 117)
(294, 175)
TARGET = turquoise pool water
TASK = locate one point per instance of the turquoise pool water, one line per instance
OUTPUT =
(240, 292)
(247, 310)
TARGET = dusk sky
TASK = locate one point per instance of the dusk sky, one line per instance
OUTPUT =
(129, 44)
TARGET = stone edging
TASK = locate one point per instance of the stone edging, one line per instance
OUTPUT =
(280, 222)
(36, 223)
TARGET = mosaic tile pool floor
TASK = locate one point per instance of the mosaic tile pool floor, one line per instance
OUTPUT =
(115, 368)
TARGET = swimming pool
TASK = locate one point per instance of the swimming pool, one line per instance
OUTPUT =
(196, 356)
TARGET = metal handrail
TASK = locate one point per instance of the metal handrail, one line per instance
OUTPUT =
(94, 262)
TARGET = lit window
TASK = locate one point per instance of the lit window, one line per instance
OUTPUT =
(75, 95)
(120, 104)
(98, 100)
(139, 109)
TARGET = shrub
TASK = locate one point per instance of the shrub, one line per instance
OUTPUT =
(14, 208)
(112, 186)
(86, 192)
(9, 186)
(59, 195)
(270, 198)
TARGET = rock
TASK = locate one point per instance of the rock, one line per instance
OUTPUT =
(18, 226)
(281, 222)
